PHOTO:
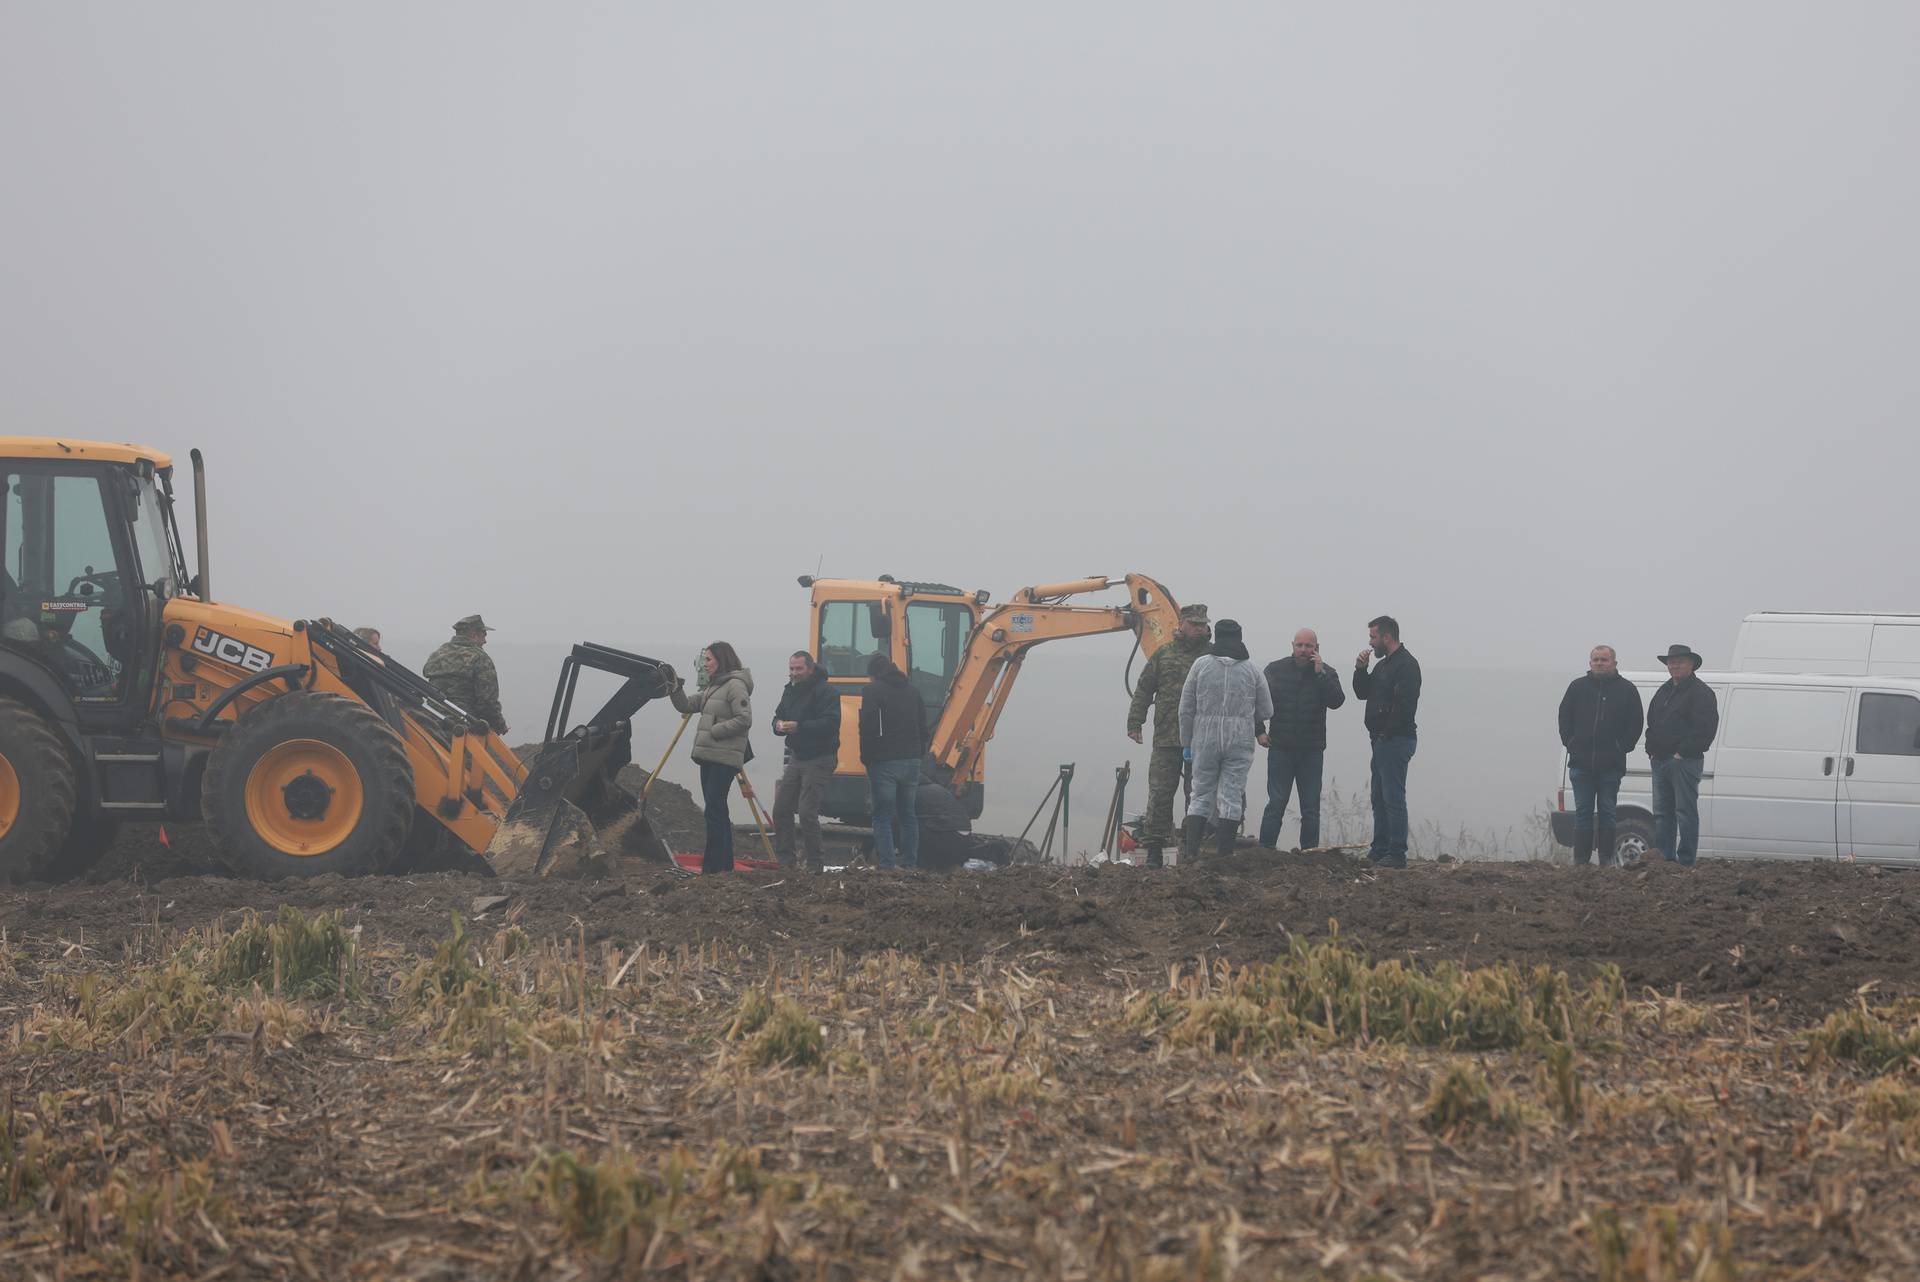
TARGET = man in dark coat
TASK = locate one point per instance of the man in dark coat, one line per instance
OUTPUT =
(1303, 690)
(893, 744)
(1681, 723)
(1392, 692)
(1600, 722)
(808, 718)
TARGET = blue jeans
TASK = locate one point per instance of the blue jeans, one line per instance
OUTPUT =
(896, 787)
(1676, 807)
(716, 785)
(1391, 757)
(1288, 768)
(1593, 790)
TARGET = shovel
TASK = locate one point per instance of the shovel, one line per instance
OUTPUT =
(759, 820)
(643, 839)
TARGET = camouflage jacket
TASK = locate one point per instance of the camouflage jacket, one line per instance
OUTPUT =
(462, 672)
(1159, 687)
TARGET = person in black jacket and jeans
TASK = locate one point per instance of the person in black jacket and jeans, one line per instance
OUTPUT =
(893, 741)
(1392, 692)
(1681, 723)
(1303, 690)
(808, 718)
(1600, 722)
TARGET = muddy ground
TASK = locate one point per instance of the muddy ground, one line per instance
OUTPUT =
(983, 1098)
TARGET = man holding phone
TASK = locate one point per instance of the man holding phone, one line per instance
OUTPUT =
(1304, 689)
(1392, 692)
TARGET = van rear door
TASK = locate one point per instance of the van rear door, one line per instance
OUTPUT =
(1777, 773)
(1880, 778)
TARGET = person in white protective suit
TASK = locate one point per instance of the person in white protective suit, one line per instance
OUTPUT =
(1224, 695)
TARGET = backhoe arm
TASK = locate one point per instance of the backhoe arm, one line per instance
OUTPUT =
(999, 645)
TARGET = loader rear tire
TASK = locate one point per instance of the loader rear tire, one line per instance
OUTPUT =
(92, 836)
(309, 783)
(38, 792)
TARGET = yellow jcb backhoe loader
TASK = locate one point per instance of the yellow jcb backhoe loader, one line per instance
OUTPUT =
(961, 655)
(128, 692)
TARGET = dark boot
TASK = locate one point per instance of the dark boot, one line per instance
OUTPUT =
(1191, 835)
(1583, 846)
(1604, 847)
(1225, 834)
(1154, 858)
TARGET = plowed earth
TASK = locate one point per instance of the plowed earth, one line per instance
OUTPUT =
(984, 1104)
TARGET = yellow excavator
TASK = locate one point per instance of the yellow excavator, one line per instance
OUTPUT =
(128, 692)
(963, 656)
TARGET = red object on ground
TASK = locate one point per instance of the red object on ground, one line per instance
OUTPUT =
(1127, 843)
(690, 860)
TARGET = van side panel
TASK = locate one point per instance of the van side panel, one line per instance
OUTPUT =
(1880, 778)
(1896, 650)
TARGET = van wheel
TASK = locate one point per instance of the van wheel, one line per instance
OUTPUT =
(1632, 838)
(309, 783)
(37, 792)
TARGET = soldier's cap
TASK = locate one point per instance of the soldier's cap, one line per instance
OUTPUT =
(1194, 614)
(472, 623)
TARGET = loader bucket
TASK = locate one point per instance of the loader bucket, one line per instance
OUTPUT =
(572, 817)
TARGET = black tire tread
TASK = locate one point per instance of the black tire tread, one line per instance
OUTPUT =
(355, 720)
(47, 804)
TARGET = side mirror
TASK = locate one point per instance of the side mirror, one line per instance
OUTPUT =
(877, 621)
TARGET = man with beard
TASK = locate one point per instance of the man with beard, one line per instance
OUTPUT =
(1303, 689)
(1682, 721)
(1392, 692)
(808, 718)
(1600, 722)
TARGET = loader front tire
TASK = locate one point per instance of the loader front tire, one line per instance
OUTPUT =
(38, 792)
(309, 783)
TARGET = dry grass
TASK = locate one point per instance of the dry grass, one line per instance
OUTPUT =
(308, 1104)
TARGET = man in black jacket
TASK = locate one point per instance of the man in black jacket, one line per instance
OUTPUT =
(1600, 722)
(893, 742)
(808, 718)
(1681, 723)
(1303, 690)
(1392, 692)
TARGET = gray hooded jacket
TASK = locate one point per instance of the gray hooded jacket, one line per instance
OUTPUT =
(726, 715)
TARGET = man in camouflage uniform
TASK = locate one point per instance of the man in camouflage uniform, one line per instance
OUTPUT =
(462, 672)
(1159, 687)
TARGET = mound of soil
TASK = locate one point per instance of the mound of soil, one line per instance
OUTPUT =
(1804, 936)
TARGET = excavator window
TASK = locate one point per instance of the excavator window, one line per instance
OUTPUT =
(65, 600)
(851, 633)
(936, 633)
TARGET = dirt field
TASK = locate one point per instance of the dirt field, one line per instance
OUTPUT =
(1028, 1072)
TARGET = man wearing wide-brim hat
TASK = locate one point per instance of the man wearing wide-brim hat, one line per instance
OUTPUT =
(462, 671)
(1681, 723)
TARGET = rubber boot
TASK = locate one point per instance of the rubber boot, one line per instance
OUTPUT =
(1154, 858)
(1583, 847)
(1192, 833)
(1604, 847)
(1225, 834)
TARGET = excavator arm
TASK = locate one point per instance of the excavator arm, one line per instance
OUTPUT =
(999, 644)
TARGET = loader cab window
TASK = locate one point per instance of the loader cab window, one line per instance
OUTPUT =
(851, 633)
(936, 634)
(160, 567)
(63, 599)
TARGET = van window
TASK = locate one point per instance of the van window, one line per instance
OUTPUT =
(1785, 720)
(1889, 725)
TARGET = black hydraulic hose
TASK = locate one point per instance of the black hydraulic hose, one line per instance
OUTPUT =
(290, 672)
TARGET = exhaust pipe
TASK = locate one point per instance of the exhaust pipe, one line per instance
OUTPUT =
(200, 522)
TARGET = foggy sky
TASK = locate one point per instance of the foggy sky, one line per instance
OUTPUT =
(1533, 325)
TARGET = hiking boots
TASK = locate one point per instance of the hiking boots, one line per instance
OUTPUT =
(1583, 846)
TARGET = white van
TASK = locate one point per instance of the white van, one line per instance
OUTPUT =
(1804, 767)
(1875, 645)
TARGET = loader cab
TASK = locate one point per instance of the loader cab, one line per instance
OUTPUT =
(88, 559)
(922, 627)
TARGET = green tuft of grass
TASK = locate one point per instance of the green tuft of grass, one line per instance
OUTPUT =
(1332, 993)
(1878, 1041)
(777, 1031)
(293, 954)
(1462, 1100)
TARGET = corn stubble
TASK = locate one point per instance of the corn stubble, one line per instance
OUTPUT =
(291, 1096)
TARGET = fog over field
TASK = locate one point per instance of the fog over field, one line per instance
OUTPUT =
(1534, 326)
